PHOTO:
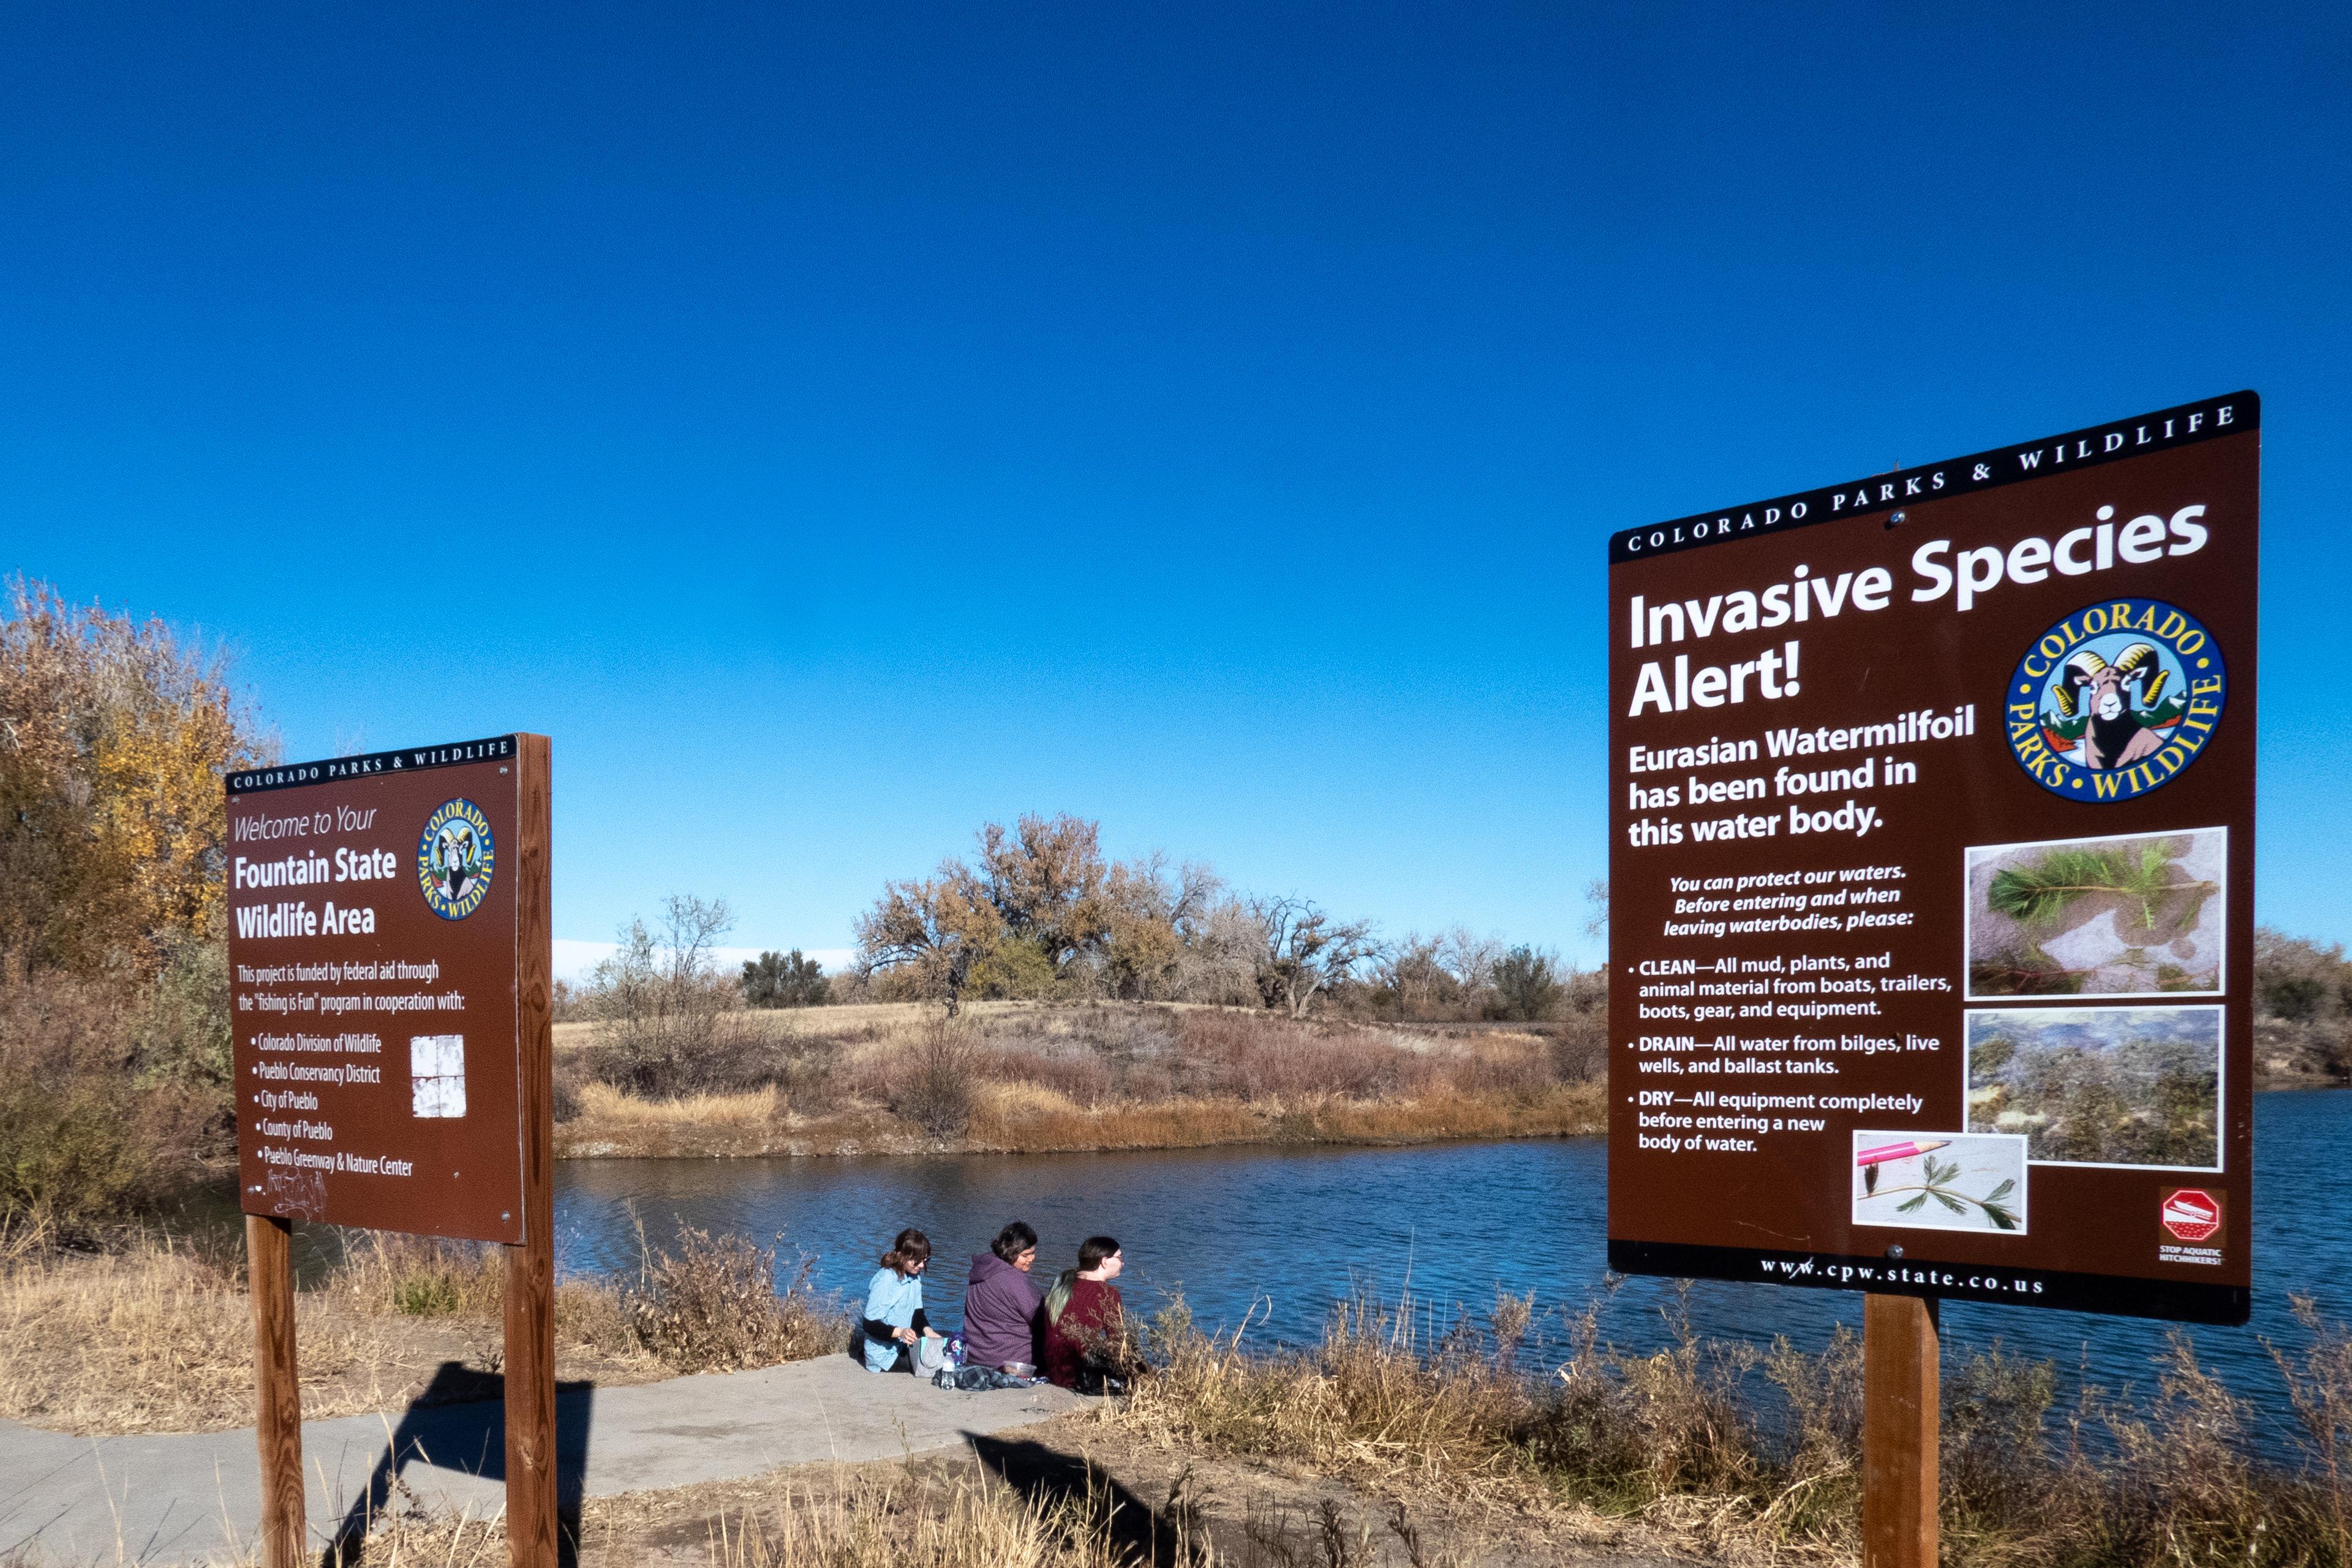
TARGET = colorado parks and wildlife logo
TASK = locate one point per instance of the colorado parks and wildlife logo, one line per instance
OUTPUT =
(2115, 700)
(454, 859)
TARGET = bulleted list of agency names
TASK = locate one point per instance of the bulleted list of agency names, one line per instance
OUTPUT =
(321, 1041)
(290, 1110)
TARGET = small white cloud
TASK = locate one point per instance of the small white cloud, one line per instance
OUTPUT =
(573, 960)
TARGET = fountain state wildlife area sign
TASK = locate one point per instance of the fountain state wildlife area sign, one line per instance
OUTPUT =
(373, 959)
(1932, 877)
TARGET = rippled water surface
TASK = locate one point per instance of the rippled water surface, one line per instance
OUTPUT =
(1283, 1234)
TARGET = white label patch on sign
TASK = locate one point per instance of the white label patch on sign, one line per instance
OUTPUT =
(436, 1075)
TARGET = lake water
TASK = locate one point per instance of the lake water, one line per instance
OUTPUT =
(1280, 1234)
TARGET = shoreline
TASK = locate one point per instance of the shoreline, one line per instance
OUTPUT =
(734, 1128)
(746, 1127)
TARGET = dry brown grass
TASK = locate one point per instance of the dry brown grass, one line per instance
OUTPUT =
(1034, 1078)
(1737, 1451)
(871, 1521)
(1026, 1118)
(940, 1514)
(159, 1339)
(157, 1336)
(755, 1109)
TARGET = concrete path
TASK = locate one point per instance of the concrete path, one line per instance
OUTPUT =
(192, 1497)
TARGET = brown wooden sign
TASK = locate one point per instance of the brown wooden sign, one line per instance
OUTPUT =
(391, 960)
(373, 954)
(1932, 882)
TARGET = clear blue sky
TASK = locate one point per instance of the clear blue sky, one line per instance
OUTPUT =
(838, 427)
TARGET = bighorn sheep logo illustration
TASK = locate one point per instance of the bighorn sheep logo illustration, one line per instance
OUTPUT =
(455, 859)
(2115, 736)
(2115, 700)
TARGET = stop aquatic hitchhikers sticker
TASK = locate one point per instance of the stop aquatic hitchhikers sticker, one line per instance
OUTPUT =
(454, 859)
(2115, 700)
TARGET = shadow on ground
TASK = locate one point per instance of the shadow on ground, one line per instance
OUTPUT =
(1162, 1535)
(457, 1422)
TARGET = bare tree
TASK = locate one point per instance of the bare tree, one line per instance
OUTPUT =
(1304, 952)
(661, 995)
(1219, 959)
(1449, 974)
(1471, 961)
(1596, 899)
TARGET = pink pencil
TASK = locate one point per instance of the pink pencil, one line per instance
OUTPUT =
(1886, 1152)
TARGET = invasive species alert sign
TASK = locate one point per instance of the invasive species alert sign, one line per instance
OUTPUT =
(1932, 877)
(373, 960)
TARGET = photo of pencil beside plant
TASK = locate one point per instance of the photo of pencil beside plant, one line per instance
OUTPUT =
(1950, 1180)
(2138, 915)
(2100, 1086)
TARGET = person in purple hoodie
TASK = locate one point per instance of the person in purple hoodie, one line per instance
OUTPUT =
(1004, 1308)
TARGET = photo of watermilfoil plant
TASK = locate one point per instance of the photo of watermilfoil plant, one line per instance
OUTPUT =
(2132, 915)
(1942, 1181)
(2100, 1086)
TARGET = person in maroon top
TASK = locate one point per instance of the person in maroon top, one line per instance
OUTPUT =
(1084, 1321)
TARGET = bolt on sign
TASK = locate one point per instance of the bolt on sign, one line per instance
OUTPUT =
(1932, 877)
(373, 958)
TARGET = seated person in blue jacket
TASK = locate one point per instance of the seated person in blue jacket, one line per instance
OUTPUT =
(893, 1318)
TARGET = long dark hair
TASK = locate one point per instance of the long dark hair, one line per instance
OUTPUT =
(910, 1250)
(1012, 1241)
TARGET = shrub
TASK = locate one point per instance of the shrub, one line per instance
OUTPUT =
(90, 1135)
(713, 1305)
(1012, 969)
(1526, 985)
(667, 1015)
(933, 1088)
(421, 1275)
(785, 980)
(1259, 1058)
(2297, 998)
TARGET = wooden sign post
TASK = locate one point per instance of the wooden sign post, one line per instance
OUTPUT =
(1900, 1409)
(530, 1267)
(391, 956)
(1930, 790)
(269, 1264)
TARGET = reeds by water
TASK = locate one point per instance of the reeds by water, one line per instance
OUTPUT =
(1683, 1439)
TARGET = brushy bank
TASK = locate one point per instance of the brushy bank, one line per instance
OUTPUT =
(1727, 1447)
(1024, 1078)
(155, 1334)
(1411, 1437)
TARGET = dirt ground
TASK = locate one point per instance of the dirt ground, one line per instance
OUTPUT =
(1166, 1507)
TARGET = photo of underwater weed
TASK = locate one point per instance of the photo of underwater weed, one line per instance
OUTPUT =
(2100, 1086)
(2135, 915)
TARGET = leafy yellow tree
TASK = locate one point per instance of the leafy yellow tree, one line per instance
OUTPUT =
(1038, 913)
(114, 736)
(931, 933)
(114, 1034)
